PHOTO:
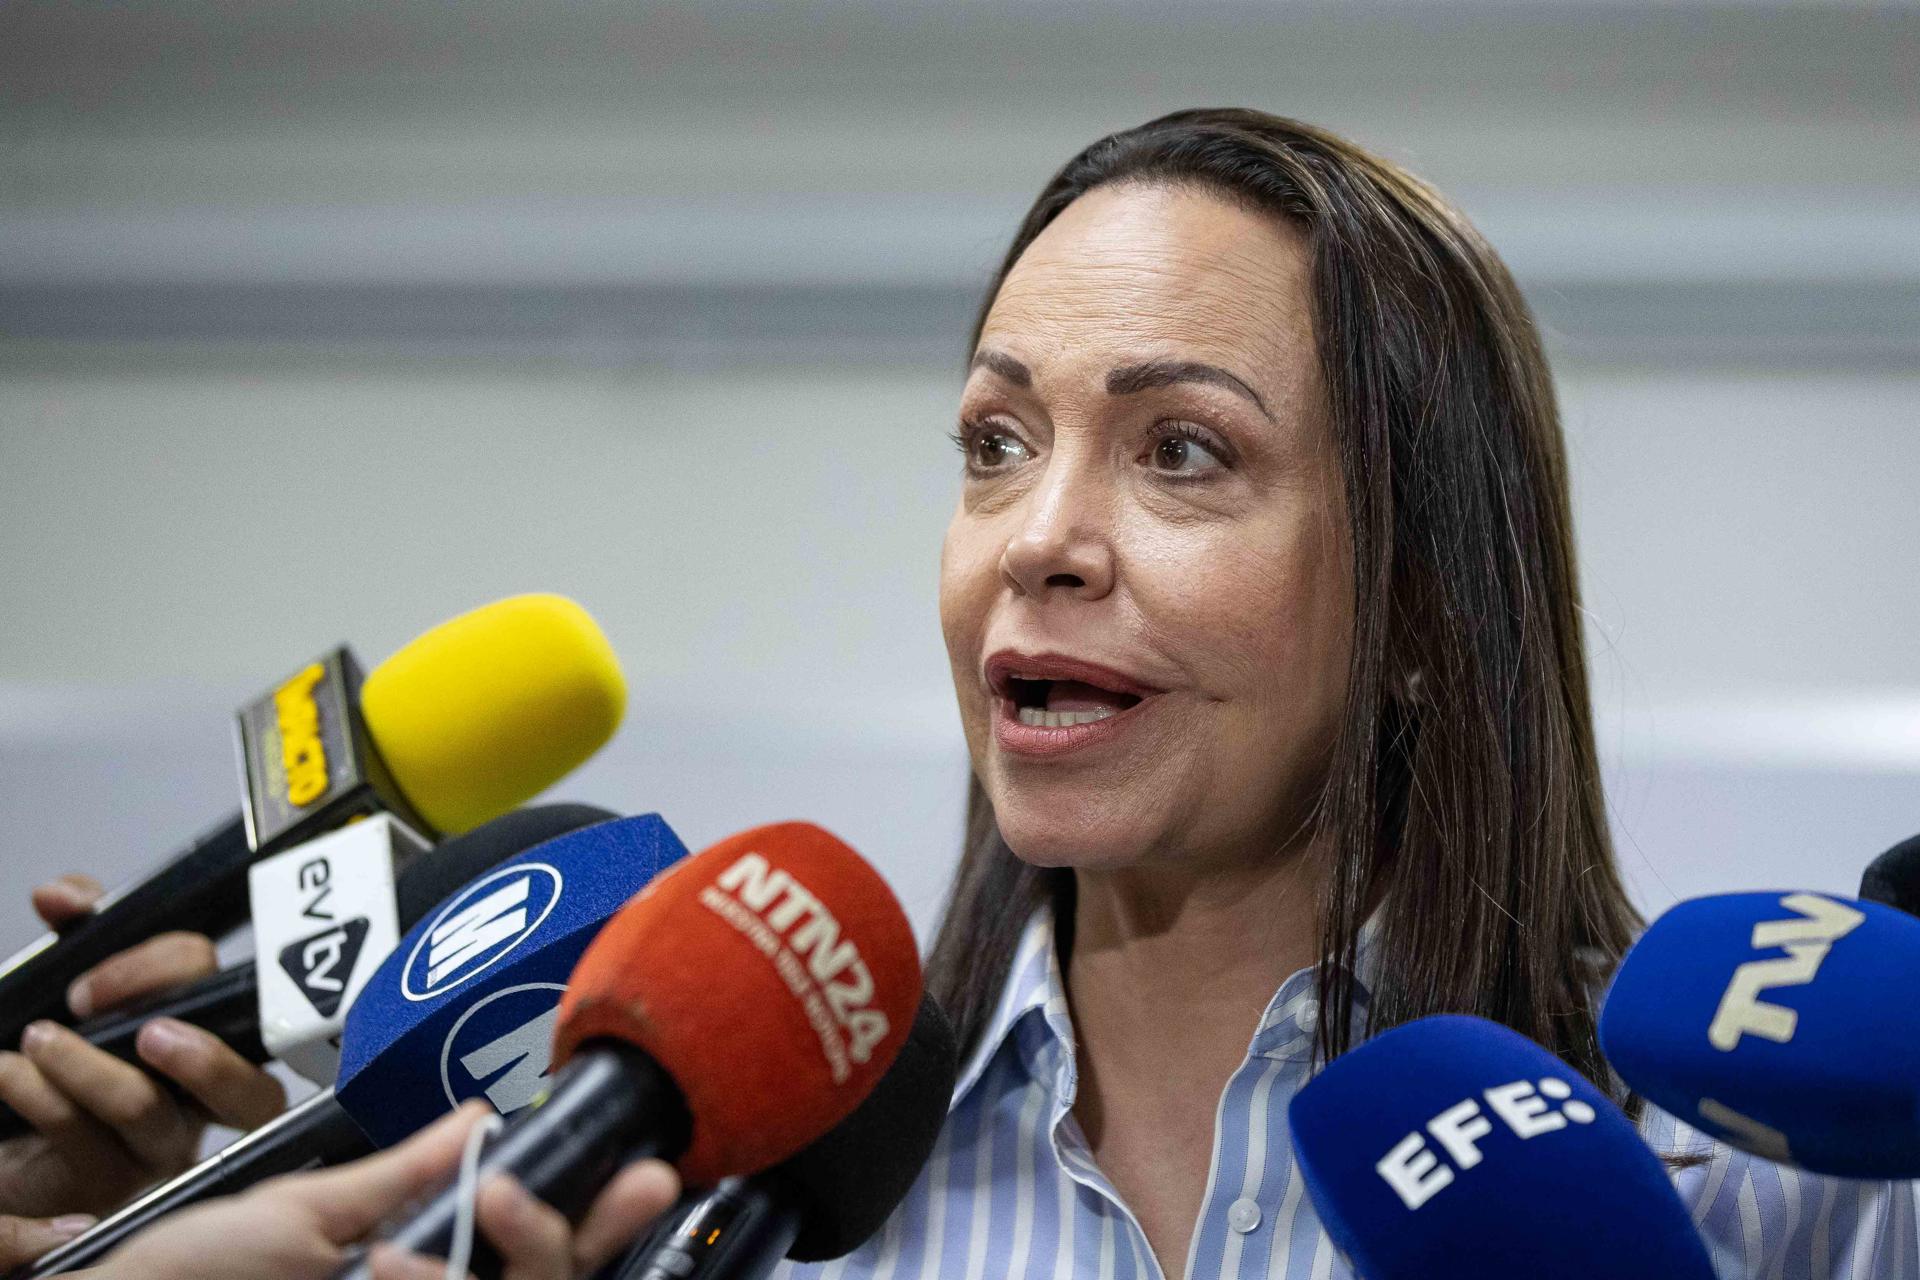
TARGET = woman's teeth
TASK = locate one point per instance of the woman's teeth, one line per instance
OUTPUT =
(1042, 718)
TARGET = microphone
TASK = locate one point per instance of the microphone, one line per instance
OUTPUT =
(782, 931)
(1894, 877)
(468, 720)
(1453, 1146)
(484, 1032)
(1772, 1021)
(829, 1199)
(294, 1009)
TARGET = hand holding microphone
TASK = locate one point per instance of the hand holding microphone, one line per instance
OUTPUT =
(105, 1128)
(300, 1227)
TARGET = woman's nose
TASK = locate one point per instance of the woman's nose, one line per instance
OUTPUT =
(1063, 541)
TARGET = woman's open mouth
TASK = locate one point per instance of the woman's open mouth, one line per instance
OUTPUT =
(1046, 704)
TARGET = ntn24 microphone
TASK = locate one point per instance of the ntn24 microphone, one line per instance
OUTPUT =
(783, 937)
(1780, 1023)
(1455, 1147)
(464, 1006)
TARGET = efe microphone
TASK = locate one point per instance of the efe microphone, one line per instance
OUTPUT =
(471, 718)
(783, 937)
(1455, 1147)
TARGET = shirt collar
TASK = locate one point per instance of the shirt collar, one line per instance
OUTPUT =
(1035, 989)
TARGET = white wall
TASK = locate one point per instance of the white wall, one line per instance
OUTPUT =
(761, 546)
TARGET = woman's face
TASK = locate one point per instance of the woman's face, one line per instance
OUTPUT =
(1145, 586)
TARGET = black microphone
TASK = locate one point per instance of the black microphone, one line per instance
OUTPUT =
(1893, 878)
(831, 1198)
(230, 1003)
(475, 716)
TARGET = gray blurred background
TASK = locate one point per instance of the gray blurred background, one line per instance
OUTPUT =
(325, 321)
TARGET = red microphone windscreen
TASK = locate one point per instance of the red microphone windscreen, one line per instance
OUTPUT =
(773, 976)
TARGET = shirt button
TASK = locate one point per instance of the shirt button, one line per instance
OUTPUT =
(1243, 1215)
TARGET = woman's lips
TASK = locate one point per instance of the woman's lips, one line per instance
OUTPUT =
(1048, 704)
(1014, 735)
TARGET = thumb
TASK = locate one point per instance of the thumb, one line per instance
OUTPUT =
(66, 899)
(24, 1239)
(350, 1201)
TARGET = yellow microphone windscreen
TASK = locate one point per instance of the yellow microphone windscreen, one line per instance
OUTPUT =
(487, 710)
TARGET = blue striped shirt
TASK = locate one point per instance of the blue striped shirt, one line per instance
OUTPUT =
(1012, 1193)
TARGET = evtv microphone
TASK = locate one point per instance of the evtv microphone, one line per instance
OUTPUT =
(829, 1199)
(486, 1031)
(468, 720)
(1455, 1147)
(1894, 877)
(736, 1010)
(1778, 1023)
(295, 1006)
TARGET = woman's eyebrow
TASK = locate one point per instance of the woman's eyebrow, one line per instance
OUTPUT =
(1129, 378)
(1004, 365)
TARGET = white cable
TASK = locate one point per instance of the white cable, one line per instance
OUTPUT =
(467, 1195)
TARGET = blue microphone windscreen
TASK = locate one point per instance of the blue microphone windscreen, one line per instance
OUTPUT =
(1781, 1023)
(1454, 1147)
(465, 1006)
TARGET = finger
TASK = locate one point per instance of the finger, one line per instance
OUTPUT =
(531, 1237)
(50, 1112)
(24, 1239)
(154, 965)
(391, 1262)
(233, 1090)
(627, 1206)
(350, 1201)
(67, 898)
(119, 1095)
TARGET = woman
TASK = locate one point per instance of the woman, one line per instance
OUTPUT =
(1261, 608)
(1262, 614)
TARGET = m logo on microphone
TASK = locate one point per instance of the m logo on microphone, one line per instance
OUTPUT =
(474, 931)
(501, 1049)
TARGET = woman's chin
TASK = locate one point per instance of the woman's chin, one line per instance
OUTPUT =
(1066, 836)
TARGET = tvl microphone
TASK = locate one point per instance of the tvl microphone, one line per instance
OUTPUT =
(1894, 877)
(829, 1199)
(1778, 1022)
(468, 720)
(781, 937)
(297, 1011)
(486, 1032)
(1453, 1146)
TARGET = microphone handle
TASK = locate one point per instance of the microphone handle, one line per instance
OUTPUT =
(741, 1228)
(201, 890)
(313, 1133)
(226, 1003)
(610, 1105)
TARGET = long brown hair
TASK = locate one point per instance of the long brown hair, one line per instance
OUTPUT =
(1464, 794)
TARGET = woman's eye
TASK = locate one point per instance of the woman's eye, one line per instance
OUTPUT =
(1184, 455)
(991, 449)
